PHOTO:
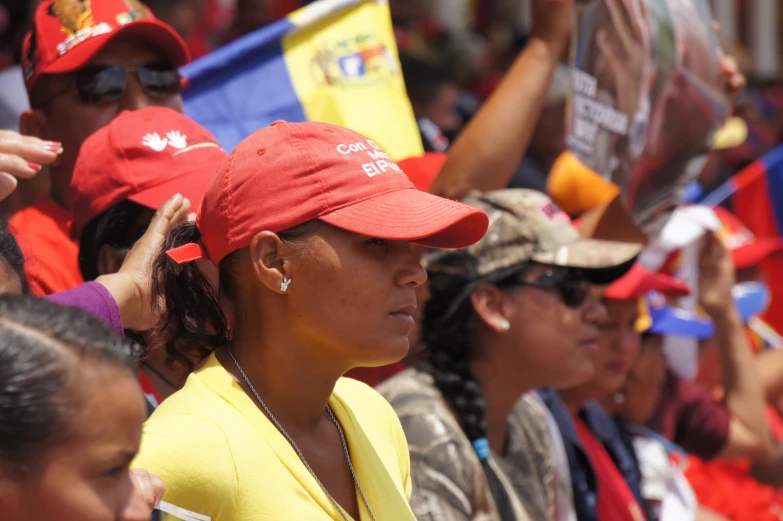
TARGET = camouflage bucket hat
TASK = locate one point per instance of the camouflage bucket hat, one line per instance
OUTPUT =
(526, 226)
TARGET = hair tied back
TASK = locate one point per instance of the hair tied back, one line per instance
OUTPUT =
(481, 446)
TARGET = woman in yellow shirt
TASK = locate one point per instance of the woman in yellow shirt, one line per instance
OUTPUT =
(311, 228)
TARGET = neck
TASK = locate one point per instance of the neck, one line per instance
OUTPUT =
(500, 395)
(611, 405)
(60, 196)
(574, 398)
(166, 381)
(292, 382)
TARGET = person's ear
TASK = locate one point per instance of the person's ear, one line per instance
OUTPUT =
(33, 123)
(492, 307)
(269, 255)
(109, 260)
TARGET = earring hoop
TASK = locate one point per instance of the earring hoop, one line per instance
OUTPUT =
(285, 283)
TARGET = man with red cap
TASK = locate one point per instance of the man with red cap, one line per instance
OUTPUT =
(84, 62)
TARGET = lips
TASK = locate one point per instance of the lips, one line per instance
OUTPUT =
(404, 313)
(590, 343)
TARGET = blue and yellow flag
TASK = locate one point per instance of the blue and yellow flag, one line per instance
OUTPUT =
(333, 61)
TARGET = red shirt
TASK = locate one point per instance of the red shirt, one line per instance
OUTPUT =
(51, 257)
(688, 415)
(615, 499)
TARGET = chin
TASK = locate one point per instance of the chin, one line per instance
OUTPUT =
(388, 352)
(574, 376)
(612, 382)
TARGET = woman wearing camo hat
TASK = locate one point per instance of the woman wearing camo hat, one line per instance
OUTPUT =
(509, 314)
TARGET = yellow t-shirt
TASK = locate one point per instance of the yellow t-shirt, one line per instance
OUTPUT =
(223, 460)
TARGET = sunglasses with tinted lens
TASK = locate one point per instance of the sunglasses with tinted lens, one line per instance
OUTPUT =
(573, 286)
(107, 83)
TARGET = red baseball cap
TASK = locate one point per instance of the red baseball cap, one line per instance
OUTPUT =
(145, 156)
(422, 170)
(746, 249)
(291, 173)
(66, 34)
(640, 281)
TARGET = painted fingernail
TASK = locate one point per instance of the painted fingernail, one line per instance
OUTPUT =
(52, 146)
(34, 166)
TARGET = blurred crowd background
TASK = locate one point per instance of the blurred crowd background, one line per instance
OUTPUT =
(454, 52)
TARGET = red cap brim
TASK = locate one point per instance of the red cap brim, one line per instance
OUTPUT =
(756, 253)
(157, 33)
(640, 281)
(412, 215)
(192, 186)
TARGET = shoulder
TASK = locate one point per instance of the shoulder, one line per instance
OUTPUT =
(193, 457)
(441, 454)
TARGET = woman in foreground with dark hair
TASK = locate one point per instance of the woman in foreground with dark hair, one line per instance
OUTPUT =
(512, 313)
(71, 412)
(311, 226)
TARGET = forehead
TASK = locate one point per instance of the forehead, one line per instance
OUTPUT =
(126, 50)
(110, 404)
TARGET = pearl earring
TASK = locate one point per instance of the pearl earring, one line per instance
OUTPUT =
(285, 283)
(504, 325)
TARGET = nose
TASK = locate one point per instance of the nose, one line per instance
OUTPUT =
(134, 97)
(594, 310)
(411, 272)
(629, 340)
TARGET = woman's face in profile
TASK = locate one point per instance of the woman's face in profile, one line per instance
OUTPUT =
(86, 476)
(355, 296)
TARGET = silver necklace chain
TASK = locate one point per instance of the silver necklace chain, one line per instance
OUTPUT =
(299, 453)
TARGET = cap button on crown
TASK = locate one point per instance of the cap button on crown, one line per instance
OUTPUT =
(278, 122)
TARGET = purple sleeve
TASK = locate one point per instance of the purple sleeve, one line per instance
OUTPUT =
(94, 299)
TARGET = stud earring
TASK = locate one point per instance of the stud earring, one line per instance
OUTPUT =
(285, 283)
(504, 325)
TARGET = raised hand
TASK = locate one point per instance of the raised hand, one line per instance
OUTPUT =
(553, 21)
(22, 157)
(716, 276)
(131, 286)
(627, 49)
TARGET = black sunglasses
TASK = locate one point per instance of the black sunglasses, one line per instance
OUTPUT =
(99, 84)
(572, 284)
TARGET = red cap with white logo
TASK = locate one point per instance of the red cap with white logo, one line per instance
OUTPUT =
(145, 156)
(66, 34)
(291, 173)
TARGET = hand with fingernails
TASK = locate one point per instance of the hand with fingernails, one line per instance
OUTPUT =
(22, 157)
(150, 486)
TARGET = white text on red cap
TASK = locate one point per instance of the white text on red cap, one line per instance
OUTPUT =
(381, 162)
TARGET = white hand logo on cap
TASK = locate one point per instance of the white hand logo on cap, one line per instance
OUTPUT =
(177, 140)
(155, 142)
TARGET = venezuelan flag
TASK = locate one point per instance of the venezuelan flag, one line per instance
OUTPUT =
(333, 60)
(756, 196)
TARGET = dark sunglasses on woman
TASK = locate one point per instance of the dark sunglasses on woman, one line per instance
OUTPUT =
(573, 286)
(101, 84)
